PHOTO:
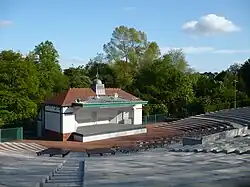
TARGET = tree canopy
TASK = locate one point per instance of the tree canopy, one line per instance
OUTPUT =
(129, 61)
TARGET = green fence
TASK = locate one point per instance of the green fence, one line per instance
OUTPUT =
(154, 118)
(11, 134)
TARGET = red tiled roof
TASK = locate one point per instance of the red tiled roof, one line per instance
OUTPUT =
(68, 97)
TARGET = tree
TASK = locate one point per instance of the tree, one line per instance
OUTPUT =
(18, 87)
(234, 68)
(164, 85)
(177, 58)
(105, 71)
(130, 62)
(50, 73)
(126, 44)
(124, 74)
(78, 77)
(151, 54)
(245, 75)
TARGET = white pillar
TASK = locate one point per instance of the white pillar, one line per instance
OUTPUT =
(137, 114)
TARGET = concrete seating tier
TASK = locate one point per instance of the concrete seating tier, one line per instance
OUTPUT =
(70, 174)
(197, 126)
(17, 147)
(237, 145)
(188, 127)
(183, 128)
(18, 169)
(161, 168)
(240, 115)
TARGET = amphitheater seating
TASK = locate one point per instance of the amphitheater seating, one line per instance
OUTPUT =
(53, 151)
(20, 166)
(70, 174)
(161, 168)
(100, 151)
(237, 145)
(18, 147)
(240, 116)
(18, 169)
(222, 162)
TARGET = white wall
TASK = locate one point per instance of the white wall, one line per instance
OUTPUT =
(68, 120)
(95, 116)
(137, 114)
(52, 118)
(85, 116)
(114, 135)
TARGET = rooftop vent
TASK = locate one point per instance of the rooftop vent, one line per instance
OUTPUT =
(78, 100)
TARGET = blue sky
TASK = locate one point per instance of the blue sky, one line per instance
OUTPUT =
(213, 34)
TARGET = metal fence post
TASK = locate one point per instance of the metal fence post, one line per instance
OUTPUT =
(155, 118)
(0, 135)
(21, 133)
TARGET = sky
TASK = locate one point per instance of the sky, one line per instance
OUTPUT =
(213, 34)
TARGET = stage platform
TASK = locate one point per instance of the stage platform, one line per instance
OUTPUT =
(106, 131)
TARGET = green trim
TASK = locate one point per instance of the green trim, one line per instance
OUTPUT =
(110, 104)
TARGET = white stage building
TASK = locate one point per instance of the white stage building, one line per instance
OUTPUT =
(89, 114)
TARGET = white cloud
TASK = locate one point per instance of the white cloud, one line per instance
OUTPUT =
(210, 24)
(233, 51)
(199, 50)
(130, 8)
(5, 23)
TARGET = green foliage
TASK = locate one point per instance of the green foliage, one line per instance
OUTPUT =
(130, 62)
(52, 79)
(245, 76)
(78, 77)
(126, 44)
(177, 58)
(124, 74)
(18, 87)
(105, 71)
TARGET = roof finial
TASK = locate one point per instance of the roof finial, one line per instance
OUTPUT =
(97, 74)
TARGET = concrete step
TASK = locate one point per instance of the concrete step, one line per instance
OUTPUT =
(62, 172)
(19, 184)
(66, 174)
(65, 180)
(62, 177)
(61, 185)
(70, 168)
